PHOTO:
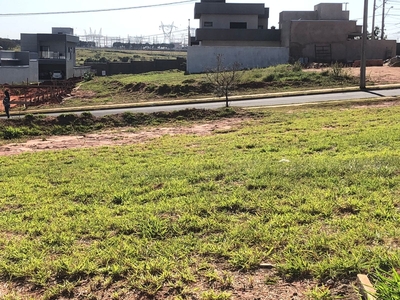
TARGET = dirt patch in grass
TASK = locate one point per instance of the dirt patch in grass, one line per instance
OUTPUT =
(119, 136)
(375, 75)
(258, 284)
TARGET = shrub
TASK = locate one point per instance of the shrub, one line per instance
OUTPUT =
(87, 76)
(269, 78)
(337, 71)
(67, 118)
(297, 67)
(12, 133)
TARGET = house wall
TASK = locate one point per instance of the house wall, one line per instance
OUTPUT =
(285, 16)
(20, 74)
(29, 42)
(331, 11)
(305, 35)
(285, 20)
(245, 37)
(242, 43)
(137, 67)
(202, 58)
(223, 21)
(23, 57)
(349, 51)
(70, 59)
(306, 32)
(375, 49)
(81, 70)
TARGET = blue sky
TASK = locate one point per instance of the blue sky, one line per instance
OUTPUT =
(147, 21)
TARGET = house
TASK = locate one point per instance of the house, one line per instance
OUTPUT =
(239, 32)
(17, 67)
(234, 24)
(326, 34)
(54, 51)
(42, 56)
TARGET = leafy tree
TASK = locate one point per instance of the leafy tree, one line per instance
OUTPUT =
(377, 34)
(7, 44)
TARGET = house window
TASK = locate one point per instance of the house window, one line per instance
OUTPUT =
(238, 25)
(208, 24)
(45, 52)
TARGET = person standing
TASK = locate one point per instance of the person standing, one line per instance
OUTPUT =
(6, 103)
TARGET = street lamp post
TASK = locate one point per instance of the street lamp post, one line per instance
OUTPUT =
(363, 65)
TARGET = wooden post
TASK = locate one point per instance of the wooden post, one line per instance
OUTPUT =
(367, 290)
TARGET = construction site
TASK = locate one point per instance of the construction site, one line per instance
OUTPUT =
(45, 93)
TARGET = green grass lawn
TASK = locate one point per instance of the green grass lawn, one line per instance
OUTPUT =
(313, 191)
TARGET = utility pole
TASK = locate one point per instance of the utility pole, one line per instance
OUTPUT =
(189, 38)
(373, 22)
(363, 65)
(383, 20)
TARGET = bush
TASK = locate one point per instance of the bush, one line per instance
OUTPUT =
(297, 67)
(67, 118)
(269, 78)
(12, 133)
(337, 71)
(87, 76)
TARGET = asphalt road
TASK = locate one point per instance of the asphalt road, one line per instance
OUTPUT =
(252, 103)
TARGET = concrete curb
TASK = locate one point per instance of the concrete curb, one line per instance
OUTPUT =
(203, 100)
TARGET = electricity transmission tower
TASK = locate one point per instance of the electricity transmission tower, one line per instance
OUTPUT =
(167, 30)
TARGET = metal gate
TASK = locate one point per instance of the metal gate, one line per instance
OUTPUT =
(323, 53)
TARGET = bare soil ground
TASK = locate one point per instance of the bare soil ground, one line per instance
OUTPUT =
(120, 136)
(375, 75)
(380, 75)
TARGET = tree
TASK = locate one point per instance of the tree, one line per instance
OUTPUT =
(224, 78)
(377, 34)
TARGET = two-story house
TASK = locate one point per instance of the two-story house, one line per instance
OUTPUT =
(327, 34)
(54, 51)
(42, 55)
(233, 24)
(237, 31)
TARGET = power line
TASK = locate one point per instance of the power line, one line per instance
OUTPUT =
(95, 10)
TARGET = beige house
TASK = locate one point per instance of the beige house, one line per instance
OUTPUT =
(233, 24)
(238, 32)
(327, 34)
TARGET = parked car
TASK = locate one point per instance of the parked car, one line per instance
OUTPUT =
(57, 74)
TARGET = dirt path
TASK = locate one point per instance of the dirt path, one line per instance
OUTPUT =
(120, 136)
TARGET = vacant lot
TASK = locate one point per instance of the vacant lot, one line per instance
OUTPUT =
(375, 75)
(286, 203)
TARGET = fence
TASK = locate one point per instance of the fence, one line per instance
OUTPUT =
(34, 95)
(137, 67)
